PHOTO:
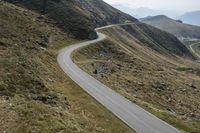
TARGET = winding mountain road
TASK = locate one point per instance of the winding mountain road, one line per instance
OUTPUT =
(134, 116)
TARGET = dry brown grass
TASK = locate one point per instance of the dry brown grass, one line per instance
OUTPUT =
(166, 85)
(35, 94)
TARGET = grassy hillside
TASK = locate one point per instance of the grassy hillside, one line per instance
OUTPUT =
(165, 82)
(158, 40)
(103, 14)
(78, 17)
(35, 94)
(174, 27)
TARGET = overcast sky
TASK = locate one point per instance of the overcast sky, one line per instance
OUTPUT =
(181, 5)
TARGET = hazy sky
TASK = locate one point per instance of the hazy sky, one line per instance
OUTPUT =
(181, 5)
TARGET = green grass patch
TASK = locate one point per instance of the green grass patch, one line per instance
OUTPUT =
(190, 70)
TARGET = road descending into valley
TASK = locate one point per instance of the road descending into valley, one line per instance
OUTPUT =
(134, 116)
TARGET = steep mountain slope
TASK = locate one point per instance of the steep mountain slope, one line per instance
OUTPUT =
(35, 94)
(191, 18)
(60, 12)
(78, 17)
(103, 14)
(157, 40)
(153, 73)
(174, 27)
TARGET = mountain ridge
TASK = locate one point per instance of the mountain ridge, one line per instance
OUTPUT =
(85, 17)
(35, 94)
(175, 27)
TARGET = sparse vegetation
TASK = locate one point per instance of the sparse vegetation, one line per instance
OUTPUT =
(161, 81)
(35, 94)
(190, 70)
(87, 15)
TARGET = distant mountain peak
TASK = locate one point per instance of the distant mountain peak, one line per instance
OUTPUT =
(155, 18)
(191, 17)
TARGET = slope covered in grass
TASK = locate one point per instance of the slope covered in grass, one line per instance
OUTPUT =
(78, 17)
(158, 40)
(35, 94)
(174, 27)
(103, 14)
(159, 75)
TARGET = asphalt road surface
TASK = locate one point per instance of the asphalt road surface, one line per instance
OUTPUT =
(134, 116)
